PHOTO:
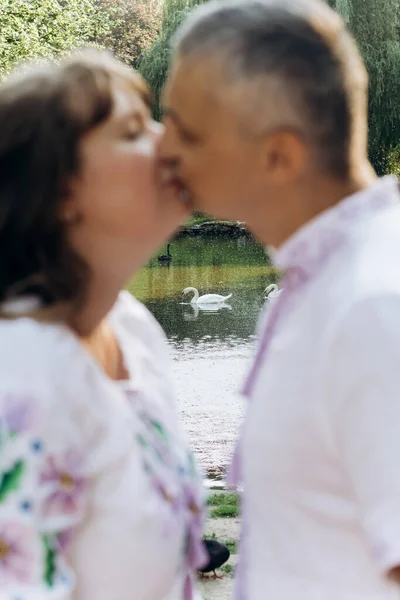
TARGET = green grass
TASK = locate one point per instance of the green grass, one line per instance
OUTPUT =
(227, 569)
(231, 545)
(224, 512)
(197, 219)
(224, 505)
(223, 499)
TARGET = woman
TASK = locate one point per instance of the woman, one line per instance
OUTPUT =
(100, 498)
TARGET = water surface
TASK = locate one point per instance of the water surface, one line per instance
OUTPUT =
(211, 349)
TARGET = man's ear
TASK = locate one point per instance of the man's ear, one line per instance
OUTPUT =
(285, 156)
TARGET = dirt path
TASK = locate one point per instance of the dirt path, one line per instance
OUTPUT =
(224, 529)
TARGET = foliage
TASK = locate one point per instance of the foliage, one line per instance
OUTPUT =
(198, 218)
(231, 545)
(230, 498)
(394, 161)
(224, 505)
(154, 64)
(135, 25)
(228, 569)
(376, 27)
(31, 29)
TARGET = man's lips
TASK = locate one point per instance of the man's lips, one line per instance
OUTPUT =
(177, 185)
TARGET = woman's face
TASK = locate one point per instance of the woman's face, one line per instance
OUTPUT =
(115, 213)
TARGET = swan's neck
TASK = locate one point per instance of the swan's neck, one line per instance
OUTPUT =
(195, 293)
(168, 252)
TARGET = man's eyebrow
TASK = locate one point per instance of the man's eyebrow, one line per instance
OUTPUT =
(173, 115)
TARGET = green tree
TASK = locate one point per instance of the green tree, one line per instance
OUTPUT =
(31, 29)
(376, 27)
(154, 63)
(394, 161)
(135, 25)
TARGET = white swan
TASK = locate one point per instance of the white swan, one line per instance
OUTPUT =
(272, 292)
(207, 298)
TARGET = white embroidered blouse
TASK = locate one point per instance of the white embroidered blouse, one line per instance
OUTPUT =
(100, 497)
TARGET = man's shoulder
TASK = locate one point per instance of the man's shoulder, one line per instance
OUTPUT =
(367, 263)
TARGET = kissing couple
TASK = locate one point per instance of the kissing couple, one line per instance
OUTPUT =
(265, 122)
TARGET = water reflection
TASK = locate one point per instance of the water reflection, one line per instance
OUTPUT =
(211, 344)
(196, 309)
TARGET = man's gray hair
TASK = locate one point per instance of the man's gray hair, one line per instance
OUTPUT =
(301, 48)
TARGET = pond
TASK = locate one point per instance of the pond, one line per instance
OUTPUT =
(211, 349)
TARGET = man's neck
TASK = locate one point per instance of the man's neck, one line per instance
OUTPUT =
(305, 204)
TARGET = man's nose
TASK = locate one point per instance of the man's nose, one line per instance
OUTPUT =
(156, 130)
(168, 148)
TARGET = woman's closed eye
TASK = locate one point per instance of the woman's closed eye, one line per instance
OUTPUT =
(132, 134)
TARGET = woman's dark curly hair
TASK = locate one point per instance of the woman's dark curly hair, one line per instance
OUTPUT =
(44, 112)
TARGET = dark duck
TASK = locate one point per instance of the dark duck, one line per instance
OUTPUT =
(166, 258)
(218, 555)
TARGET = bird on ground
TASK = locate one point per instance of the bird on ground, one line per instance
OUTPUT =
(207, 298)
(272, 292)
(218, 555)
(165, 258)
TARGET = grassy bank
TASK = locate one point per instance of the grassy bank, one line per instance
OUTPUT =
(197, 219)
(226, 505)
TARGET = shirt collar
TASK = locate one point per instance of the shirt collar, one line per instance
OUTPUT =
(306, 246)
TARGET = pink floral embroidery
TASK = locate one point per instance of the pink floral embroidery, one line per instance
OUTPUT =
(64, 540)
(17, 555)
(18, 413)
(66, 484)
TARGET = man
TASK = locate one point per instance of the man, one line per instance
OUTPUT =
(266, 122)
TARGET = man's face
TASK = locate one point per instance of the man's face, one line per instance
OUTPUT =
(220, 167)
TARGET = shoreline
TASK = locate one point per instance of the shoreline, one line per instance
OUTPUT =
(233, 229)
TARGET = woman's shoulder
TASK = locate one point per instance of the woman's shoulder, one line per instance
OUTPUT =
(44, 371)
(34, 345)
(44, 360)
(136, 318)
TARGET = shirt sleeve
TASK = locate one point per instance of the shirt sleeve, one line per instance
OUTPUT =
(50, 451)
(364, 397)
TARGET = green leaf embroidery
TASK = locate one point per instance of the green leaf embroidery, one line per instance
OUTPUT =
(11, 479)
(160, 430)
(140, 439)
(49, 560)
